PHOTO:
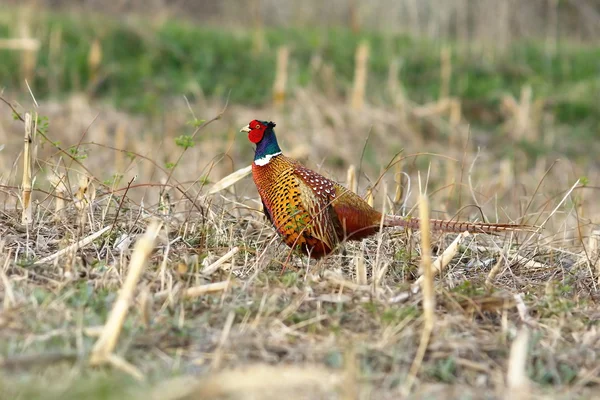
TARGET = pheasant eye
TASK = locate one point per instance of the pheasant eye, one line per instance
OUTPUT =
(257, 126)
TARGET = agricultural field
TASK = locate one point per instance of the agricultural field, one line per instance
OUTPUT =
(136, 262)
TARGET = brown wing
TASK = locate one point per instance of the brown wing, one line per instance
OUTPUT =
(316, 196)
(357, 218)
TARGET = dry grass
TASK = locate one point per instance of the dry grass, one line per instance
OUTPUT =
(212, 315)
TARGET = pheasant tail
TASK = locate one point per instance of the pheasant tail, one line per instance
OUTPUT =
(455, 226)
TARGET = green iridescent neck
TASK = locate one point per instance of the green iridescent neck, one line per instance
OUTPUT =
(267, 148)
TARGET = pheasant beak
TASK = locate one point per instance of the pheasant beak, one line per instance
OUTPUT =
(245, 129)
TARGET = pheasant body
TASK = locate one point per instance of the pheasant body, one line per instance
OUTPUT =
(313, 213)
(310, 212)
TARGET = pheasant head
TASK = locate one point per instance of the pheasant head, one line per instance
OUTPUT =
(262, 134)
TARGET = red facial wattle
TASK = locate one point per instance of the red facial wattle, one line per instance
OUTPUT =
(257, 130)
(256, 135)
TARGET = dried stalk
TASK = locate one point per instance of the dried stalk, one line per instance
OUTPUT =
(426, 266)
(230, 179)
(241, 173)
(29, 53)
(494, 272)
(361, 269)
(398, 180)
(58, 182)
(428, 295)
(445, 72)
(281, 76)
(360, 76)
(594, 252)
(24, 44)
(94, 59)
(369, 196)
(104, 347)
(442, 261)
(30, 129)
(79, 245)
(196, 291)
(351, 178)
(211, 269)
(516, 376)
(84, 197)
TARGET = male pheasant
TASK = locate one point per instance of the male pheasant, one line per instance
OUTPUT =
(314, 214)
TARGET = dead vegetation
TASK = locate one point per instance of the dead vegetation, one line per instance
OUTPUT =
(223, 310)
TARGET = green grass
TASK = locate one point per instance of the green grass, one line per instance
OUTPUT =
(143, 64)
(95, 385)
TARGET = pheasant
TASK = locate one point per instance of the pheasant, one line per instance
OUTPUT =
(314, 214)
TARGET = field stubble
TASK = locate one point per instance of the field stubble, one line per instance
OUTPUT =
(223, 309)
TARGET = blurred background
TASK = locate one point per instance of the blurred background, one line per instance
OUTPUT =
(485, 95)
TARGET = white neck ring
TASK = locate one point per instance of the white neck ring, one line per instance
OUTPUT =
(266, 159)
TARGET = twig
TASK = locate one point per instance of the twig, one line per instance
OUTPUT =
(470, 178)
(215, 266)
(442, 261)
(79, 245)
(120, 207)
(196, 291)
(494, 272)
(552, 213)
(198, 129)
(528, 263)
(337, 280)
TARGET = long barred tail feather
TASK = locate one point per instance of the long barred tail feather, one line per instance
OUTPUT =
(457, 226)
